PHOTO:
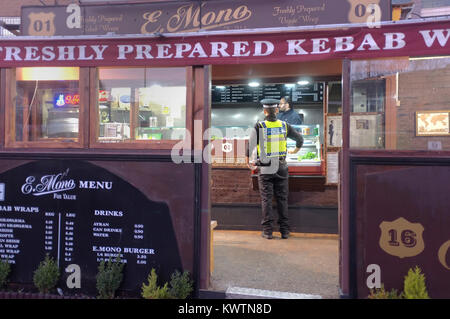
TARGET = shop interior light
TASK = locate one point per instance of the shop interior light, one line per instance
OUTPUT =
(47, 74)
(220, 87)
(253, 84)
(303, 82)
(289, 85)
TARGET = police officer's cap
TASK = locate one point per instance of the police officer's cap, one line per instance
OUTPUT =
(270, 103)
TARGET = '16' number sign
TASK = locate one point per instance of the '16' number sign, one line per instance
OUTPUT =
(401, 238)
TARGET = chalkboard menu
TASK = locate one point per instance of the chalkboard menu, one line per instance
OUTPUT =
(310, 93)
(81, 214)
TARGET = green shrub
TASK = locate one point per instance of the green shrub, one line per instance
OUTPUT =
(46, 275)
(381, 293)
(414, 288)
(5, 269)
(180, 285)
(414, 285)
(109, 278)
(152, 290)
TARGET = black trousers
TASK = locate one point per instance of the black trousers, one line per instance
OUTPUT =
(274, 184)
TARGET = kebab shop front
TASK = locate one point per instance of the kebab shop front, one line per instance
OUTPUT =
(102, 140)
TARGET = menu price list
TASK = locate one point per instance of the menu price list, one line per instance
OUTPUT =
(10, 242)
(245, 94)
(69, 236)
(56, 233)
(107, 232)
(59, 235)
(236, 94)
(113, 237)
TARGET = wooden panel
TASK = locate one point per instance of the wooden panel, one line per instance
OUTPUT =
(344, 195)
(25, 118)
(202, 114)
(308, 170)
(10, 110)
(3, 80)
(83, 116)
(395, 198)
(198, 108)
(94, 129)
(134, 112)
(35, 118)
(276, 70)
(130, 145)
(189, 141)
(391, 113)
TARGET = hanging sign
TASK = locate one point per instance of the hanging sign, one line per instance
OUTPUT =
(191, 16)
(69, 100)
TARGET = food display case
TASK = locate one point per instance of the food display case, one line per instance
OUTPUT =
(229, 149)
(309, 160)
(229, 144)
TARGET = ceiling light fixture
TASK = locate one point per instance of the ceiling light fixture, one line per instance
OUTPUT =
(303, 82)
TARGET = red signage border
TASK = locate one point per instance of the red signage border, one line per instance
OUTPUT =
(430, 38)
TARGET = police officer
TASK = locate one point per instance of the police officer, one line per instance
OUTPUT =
(269, 139)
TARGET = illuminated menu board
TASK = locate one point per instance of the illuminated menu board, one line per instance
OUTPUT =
(311, 93)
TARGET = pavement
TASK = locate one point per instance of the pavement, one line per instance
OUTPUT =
(302, 266)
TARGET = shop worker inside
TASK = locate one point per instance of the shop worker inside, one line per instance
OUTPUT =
(268, 151)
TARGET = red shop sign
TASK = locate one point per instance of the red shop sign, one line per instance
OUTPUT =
(430, 38)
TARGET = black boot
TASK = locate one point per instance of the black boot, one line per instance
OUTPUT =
(267, 235)
(285, 235)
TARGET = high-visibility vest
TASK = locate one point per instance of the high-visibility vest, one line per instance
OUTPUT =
(274, 138)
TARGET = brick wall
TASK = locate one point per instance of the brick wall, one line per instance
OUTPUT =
(424, 90)
(234, 186)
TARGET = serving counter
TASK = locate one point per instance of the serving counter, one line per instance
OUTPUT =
(306, 168)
